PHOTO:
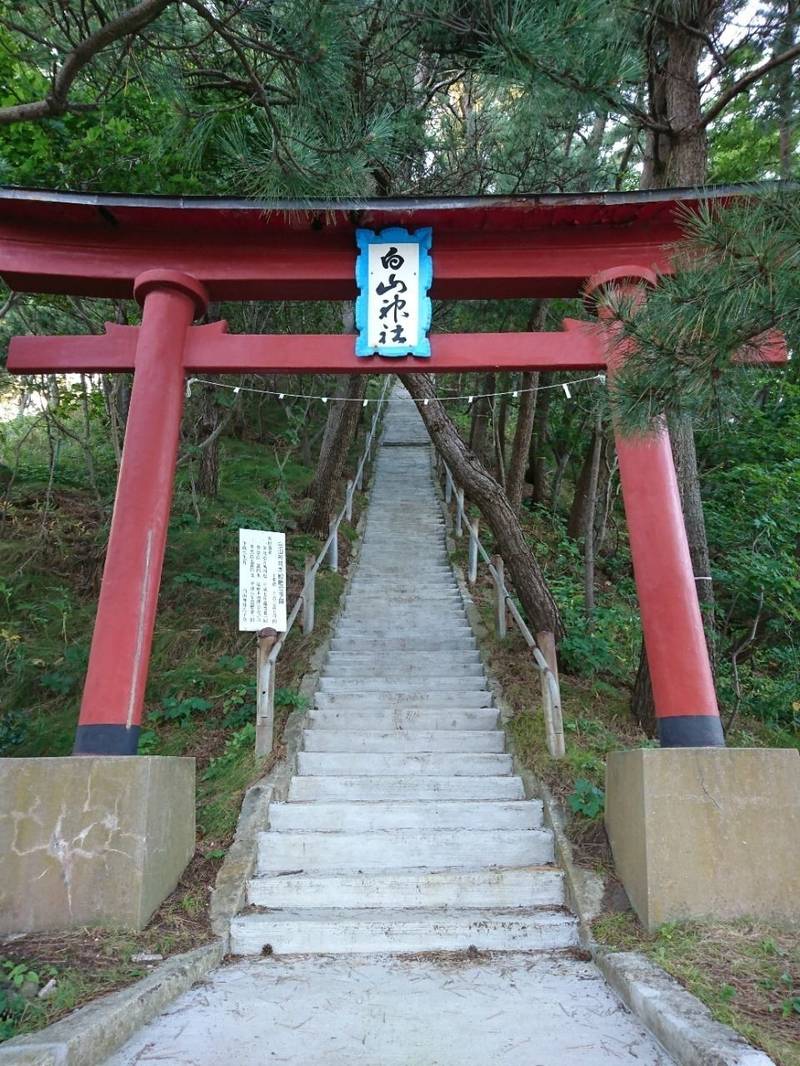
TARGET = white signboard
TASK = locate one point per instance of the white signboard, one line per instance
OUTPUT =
(262, 580)
(393, 284)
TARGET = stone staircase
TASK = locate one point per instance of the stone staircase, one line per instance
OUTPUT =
(404, 828)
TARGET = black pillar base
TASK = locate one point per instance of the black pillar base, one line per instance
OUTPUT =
(106, 740)
(691, 731)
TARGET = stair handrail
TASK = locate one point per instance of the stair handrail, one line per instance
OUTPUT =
(270, 641)
(551, 691)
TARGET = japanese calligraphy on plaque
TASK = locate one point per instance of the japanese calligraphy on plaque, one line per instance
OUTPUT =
(394, 271)
(262, 580)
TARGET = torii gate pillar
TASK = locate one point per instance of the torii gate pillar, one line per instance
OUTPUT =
(113, 696)
(672, 625)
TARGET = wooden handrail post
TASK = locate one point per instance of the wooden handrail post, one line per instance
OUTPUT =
(360, 478)
(472, 564)
(459, 530)
(500, 598)
(348, 502)
(265, 691)
(333, 547)
(448, 484)
(309, 595)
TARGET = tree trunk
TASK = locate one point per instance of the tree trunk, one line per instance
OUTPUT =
(536, 474)
(589, 519)
(479, 432)
(643, 706)
(521, 446)
(785, 90)
(207, 422)
(482, 489)
(515, 478)
(500, 429)
(576, 523)
(339, 430)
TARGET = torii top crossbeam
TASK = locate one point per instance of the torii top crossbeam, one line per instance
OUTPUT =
(487, 247)
(176, 254)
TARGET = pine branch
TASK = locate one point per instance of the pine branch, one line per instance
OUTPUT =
(722, 101)
(58, 102)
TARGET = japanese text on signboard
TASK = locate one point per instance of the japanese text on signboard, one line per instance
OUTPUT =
(393, 310)
(262, 580)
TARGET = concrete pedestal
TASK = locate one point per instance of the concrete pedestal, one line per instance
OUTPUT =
(92, 840)
(706, 832)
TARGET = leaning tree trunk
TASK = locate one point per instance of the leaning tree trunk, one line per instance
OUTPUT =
(484, 491)
(341, 425)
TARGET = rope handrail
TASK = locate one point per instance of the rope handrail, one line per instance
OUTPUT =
(551, 692)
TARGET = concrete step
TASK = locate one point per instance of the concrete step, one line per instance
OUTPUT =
(395, 601)
(353, 817)
(390, 849)
(403, 686)
(362, 788)
(433, 701)
(374, 587)
(401, 669)
(416, 656)
(482, 718)
(523, 887)
(367, 644)
(427, 624)
(394, 619)
(403, 740)
(422, 571)
(402, 931)
(435, 572)
(434, 764)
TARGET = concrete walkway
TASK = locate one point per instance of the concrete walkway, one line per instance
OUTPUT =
(404, 832)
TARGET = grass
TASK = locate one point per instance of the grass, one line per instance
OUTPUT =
(746, 972)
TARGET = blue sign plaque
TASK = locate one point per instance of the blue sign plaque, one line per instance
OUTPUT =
(394, 271)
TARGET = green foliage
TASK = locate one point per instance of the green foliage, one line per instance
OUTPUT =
(69, 674)
(586, 799)
(178, 710)
(286, 697)
(739, 277)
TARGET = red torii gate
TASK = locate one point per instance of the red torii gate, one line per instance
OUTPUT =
(174, 256)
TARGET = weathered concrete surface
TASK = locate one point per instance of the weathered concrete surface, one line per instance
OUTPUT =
(92, 840)
(706, 832)
(514, 1009)
(89, 1035)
